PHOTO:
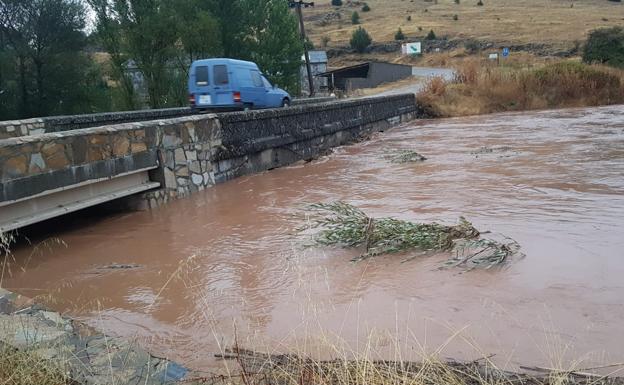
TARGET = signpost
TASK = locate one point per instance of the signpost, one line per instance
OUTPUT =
(411, 48)
(298, 4)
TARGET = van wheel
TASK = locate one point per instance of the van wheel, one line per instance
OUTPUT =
(285, 103)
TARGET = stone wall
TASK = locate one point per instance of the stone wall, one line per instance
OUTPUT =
(37, 126)
(192, 152)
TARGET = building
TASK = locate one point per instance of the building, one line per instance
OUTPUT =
(366, 75)
(318, 62)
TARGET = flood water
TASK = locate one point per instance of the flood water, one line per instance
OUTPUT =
(229, 260)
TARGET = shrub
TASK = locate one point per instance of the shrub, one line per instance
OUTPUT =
(480, 3)
(456, 1)
(366, 8)
(355, 18)
(472, 46)
(360, 40)
(409, 18)
(325, 40)
(336, 3)
(399, 35)
(431, 35)
(455, 17)
(605, 46)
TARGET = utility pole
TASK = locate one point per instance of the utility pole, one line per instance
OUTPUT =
(297, 4)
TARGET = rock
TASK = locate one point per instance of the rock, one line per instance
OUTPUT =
(197, 179)
(36, 163)
(170, 179)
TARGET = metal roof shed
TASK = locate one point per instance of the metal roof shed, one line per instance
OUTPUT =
(366, 75)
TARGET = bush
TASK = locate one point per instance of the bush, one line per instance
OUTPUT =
(360, 40)
(409, 18)
(355, 18)
(480, 3)
(456, 1)
(431, 35)
(336, 3)
(455, 17)
(324, 41)
(366, 8)
(605, 46)
(472, 46)
(399, 35)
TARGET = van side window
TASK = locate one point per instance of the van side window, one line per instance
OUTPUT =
(256, 78)
(220, 75)
(201, 76)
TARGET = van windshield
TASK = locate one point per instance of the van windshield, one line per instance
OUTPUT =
(221, 75)
(201, 76)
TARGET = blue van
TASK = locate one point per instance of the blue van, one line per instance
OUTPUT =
(228, 84)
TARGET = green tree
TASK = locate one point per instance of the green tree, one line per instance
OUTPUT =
(366, 8)
(355, 18)
(232, 23)
(360, 40)
(605, 46)
(431, 35)
(46, 70)
(272, 41)
(399, 35)
(336, 3)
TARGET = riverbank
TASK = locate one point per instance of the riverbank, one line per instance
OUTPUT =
(42, 347)
(481, 88)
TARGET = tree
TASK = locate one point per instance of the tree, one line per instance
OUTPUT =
(399, 35)
(366, 8)
(355, 18)
(360, 40)
(336, 3)
(47, 71)
(605, 46)
(431, 35)
(272, 41)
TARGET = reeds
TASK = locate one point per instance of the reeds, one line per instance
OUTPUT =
(479, 88)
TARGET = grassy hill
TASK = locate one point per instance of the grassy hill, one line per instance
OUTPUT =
(553, 24)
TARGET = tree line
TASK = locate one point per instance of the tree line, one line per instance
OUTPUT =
(52, 62)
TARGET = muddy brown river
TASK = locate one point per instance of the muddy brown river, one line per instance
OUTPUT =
(229, 262)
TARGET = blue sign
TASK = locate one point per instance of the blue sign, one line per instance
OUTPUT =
(505, 52)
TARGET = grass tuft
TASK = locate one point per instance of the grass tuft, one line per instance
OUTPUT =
(25, 367)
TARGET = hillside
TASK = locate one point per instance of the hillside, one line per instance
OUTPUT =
(537, 25)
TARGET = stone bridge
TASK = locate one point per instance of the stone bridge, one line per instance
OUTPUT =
(52, 173)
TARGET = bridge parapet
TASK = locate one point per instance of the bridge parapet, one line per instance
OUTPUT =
(46, 175)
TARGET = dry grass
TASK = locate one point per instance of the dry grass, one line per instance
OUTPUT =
(481, 89)
(28, 368)
(556, 22)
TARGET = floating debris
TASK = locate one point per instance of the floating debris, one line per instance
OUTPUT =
(407, 156)
(343, 224)
(258, 368)
(482, 253)
(115, 266)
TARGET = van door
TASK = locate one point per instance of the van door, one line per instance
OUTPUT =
(259, 91)
(221, 85)
(203, 97)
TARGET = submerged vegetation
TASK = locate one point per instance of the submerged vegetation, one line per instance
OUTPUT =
(480, 88)
(407, 156)
(340, 223)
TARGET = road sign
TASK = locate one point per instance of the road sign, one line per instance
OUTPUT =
(411, 48)
(505, 52)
